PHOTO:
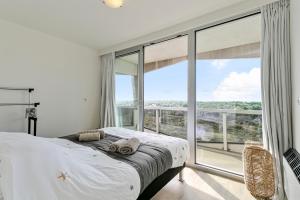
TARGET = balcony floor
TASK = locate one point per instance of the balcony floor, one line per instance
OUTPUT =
(220, 159)
(217, 158)
(199, 185)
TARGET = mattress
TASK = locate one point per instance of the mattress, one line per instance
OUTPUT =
(35, 168)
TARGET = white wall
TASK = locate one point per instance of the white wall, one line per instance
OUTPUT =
(295, 40)
(65, 75)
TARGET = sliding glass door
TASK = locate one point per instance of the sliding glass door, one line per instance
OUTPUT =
(228, 91)
(127, 91)
(203, 85)
(165, 87)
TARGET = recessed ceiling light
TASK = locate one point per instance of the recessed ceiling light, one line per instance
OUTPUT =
(114, 3)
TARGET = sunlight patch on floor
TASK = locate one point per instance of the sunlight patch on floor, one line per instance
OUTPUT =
(203, 186)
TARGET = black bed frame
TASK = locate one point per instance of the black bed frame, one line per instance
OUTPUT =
(159, 183)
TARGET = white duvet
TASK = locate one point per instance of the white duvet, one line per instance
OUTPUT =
(33, 168)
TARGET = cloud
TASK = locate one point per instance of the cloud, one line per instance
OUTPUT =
(244, 86)
(220, 63)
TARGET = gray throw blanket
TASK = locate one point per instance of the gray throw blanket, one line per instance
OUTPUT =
(149, 161)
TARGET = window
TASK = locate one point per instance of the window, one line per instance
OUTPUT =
(165, 87)
(225, 107)
(228, 91)
(126, 78)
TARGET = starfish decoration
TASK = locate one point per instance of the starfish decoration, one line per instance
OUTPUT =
(63, 176)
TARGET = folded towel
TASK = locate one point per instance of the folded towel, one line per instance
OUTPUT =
(129, 147)
(114, 147)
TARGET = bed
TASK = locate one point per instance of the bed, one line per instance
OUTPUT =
(33, 168)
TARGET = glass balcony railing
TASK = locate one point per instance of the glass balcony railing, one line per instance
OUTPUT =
(221, 134)
(218, 128)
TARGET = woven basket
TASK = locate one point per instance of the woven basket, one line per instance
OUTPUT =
(259, 172)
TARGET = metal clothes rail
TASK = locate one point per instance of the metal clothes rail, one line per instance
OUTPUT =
(30, 111)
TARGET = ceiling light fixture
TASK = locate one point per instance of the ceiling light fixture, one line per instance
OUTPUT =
(114, 3)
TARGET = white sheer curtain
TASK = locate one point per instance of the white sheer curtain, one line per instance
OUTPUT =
(276, 84)
(107, 99)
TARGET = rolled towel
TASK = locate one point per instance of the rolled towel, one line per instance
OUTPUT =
(91, 135)
(88, 137)
(129, 147)
(114, 147)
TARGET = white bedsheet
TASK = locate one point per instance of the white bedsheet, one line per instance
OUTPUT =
(34, 168)
(179, 148)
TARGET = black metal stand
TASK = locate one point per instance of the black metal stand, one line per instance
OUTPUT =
(30, 119)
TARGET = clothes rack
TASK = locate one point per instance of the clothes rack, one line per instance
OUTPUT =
(30, 111)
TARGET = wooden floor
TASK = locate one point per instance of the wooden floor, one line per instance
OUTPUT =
(202, 186)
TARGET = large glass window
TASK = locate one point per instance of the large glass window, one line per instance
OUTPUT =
(165, 87)
(228, 90)
(126, 80)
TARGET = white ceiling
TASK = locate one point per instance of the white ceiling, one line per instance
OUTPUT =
(91, 23)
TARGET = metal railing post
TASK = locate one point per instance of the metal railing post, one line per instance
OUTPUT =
(225, 131)
(157, 120)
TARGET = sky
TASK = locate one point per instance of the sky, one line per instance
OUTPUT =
(217, 80)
